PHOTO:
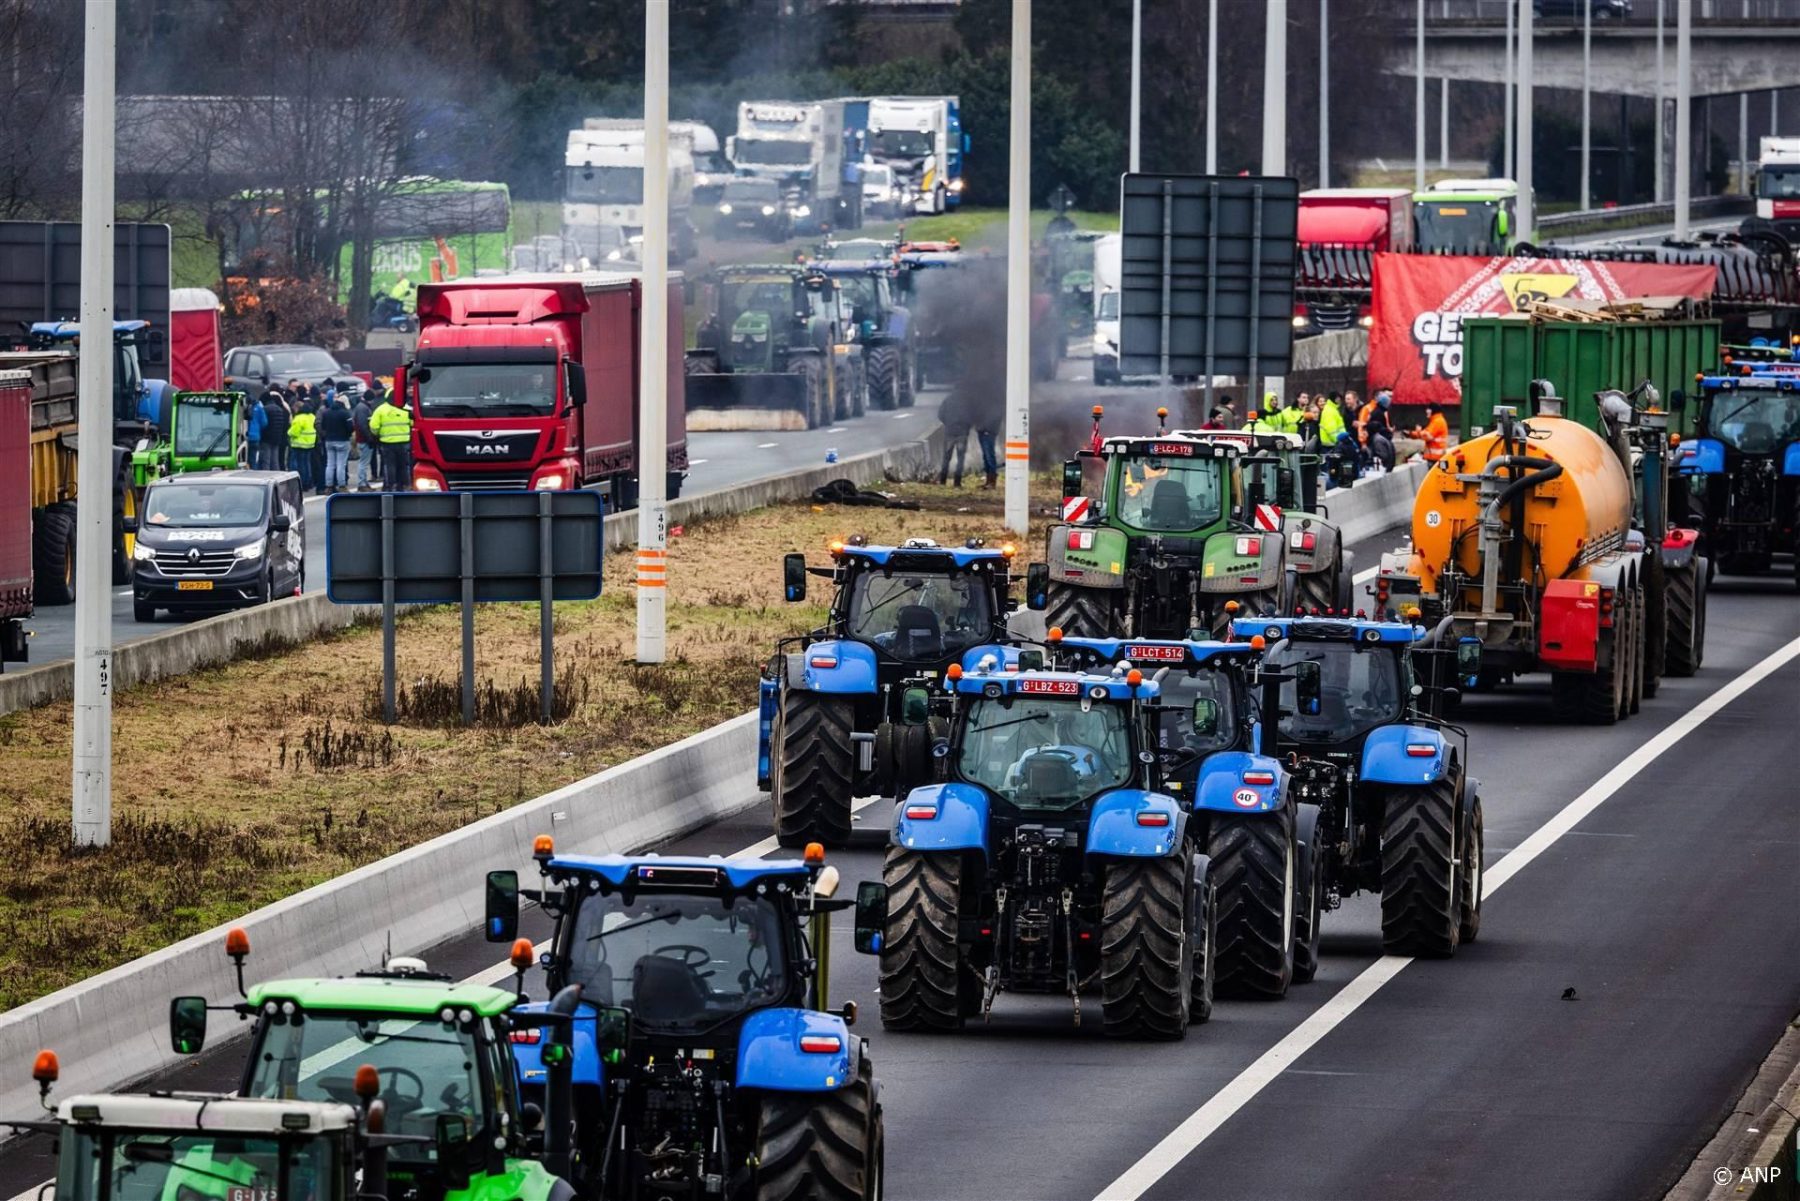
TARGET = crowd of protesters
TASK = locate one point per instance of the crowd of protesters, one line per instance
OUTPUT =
(318, 432)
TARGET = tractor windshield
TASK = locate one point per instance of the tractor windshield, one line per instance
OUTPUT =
(1756, 421)
(205, 431)
(677, 960)
(488, 390)
(920, 618)
(427, 1068)
(1178, 726)
(771, 295)
(1042, 753)
(1360, 690)
(1170, 495)
(109, 1164)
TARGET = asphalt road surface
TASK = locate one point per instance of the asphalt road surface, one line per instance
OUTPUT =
(1656, 863)
(715, 460)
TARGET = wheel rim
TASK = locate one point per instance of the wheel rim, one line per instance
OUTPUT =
(128, 510)
(1287, 905)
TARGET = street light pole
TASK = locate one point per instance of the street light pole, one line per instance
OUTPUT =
(1212, 87)
(1419, 98)
(1684, 36)
(1324, 94)
(1527, 217)
(1274, 147)
(1137, 74)
(1661, 187)
(92, 783)
(1508, 165)
(653, 342)
(1018, 280)
(1444, 122)
(1587, 112)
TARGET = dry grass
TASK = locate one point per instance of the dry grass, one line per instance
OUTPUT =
(237, 786)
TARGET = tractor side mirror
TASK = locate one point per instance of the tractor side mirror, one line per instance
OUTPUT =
(871, 916)
(793, 577)
(502, 920)
(1072, 477)
(187, 1025)
(1309, 696)
(1206, 716)
(915, 706)
(454, 1138)
(1468, 660)
(1037, 586)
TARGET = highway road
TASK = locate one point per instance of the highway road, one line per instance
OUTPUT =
(715, 460)
(1655, 866)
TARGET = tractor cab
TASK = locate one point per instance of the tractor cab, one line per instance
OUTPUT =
(195, 431)
(1742, 466)
(129, 388)
(883, 327)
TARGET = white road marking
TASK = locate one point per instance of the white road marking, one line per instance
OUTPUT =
(1200, 1125)
(766, 445)
(836, 429)
(697, 462)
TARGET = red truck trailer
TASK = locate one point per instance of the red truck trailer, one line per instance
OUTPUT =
(531, 382)
(1340, 232)
(15, 513)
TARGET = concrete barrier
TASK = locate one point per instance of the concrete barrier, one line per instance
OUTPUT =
(110, 1029)
(290, 622)
(1377, 503)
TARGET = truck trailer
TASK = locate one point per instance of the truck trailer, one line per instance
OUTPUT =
(603, 188)
(920, 139)
(801, 147)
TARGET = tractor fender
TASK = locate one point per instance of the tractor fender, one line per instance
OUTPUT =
(770, 1054)
(1678, 548)
(1703, 456)
(960, 824)
(1326, 539)
(585, 1065)
(1388, 758)
(1114, 829)
(899, 324)
(1099, 565)
(768, 703)
(1006, 657)
(1790, 459)
(834, 666)
(1253, 571)
(1223, 789)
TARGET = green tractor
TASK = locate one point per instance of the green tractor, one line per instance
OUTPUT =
(775, 353)
(1160, 535)
(196, 431)
(442, 1054)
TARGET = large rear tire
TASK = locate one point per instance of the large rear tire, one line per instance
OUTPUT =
(1085, 612)
(921, 968)
(1206, 917)
(1309, 903)
(818, 404)
(1419, 911)
(1592, 698)
(909, 379)
(1656, 627)
(1255, 866)
(1146, 962)
(820, 1146)
(814, 772)
(884, 377)
(1473, 862)
(53, 555)
(1685, 598)
(124, 509)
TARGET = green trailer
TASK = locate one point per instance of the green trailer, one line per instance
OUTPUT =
(1502, 355)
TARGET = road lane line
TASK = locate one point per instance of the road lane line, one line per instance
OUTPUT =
(766, 445)
(1200, 1125)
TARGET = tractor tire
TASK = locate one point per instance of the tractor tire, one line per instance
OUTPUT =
(1592, 698)
(53, 555)
(1684, 595)
(910, 382)
(1656, 627)
(1346, 581)
(1255, 867)
(1204, 981)
(124, 507)
(1640, 648)
(1309, 900)
(884, 377)
(814, 770)
(921, 971)
(1317, 590)
(1085, 612)
(1419, 908)
(818, 405)
(1146, 964)
(1473, 862)
(825, 1146)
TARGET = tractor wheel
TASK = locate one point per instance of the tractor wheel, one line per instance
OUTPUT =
(818, 405)
(1146, 965)
(1419, 910)
(1592, 698)
(1206, 928)
(1640, 647)
(921, 965)
(1684, 594)
(1309, 899)
(53, 555)
(1473, 862)
(125, 507)
(1656, 627)
(884, 377)
(825, 1145)
(1084, 612)
(1317, 590)
(1255, 864)
(909, 379)
(813, 768)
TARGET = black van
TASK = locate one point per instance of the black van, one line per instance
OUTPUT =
(208, 541)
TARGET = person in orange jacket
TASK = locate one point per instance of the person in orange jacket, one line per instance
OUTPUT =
(1435, 433)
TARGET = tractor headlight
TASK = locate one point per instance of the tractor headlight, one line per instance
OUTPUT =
(253, 551)
(142, 553)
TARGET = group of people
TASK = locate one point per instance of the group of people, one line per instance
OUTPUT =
(312, 428)
(1342, 426)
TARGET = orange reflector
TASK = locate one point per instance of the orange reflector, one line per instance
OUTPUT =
(367, 1081)
(523, 953)
(1134, 677)
(45, 1068)
(815, 852)
(1257, 642)
(954, 671)
(237, 942)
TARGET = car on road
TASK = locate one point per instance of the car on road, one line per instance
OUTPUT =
(253, 368)
(755, 207)
(1573, 8)
(217, 540)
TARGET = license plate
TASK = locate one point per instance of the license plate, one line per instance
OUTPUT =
(194, 586)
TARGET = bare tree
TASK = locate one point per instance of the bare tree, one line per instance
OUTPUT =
(40, 140)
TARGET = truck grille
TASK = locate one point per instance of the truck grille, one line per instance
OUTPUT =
(183, 564)
(487, 481)
(1332, 316)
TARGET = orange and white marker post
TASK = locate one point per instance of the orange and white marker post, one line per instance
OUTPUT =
(1018, 280)
(653, 343)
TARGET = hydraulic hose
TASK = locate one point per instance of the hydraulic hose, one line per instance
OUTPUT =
(1543, 471)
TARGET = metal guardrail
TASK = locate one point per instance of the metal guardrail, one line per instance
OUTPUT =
(1645, 214)
(1736, 12)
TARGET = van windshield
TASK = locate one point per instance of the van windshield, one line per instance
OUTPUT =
(205, 506)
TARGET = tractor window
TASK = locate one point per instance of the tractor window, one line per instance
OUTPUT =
(204, 506)
(1038, 753)
(205, 430)
(920, 618)
(107, 1164)
(427, 1068)
(1168, 495)
(1175, 724)
(772, 297)
(1361, 689)
(678, 961)
(1757, 422)
(1109, 306)
(860, 294)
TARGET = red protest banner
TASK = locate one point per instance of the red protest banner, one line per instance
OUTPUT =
(1415, 345)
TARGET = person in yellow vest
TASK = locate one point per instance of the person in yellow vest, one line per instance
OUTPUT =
(1258, 424)
(1279, 414)
(1331, 421)
(303, 435)
(391, 425)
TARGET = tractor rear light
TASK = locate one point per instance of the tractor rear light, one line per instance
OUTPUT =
(1249, 545)
(1152, 818)
(821, 1044)
(1303, 540)
(921, 813)
(1081, 539)
(529, 1038)
(1421, 750)
(1259, 777)
(823, 661)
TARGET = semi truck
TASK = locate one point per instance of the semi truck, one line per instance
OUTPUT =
(920, 139)
(531, 382)
(1341, 230)
(801, 147)
(603, 187)
(1778, 186)
(1468, 216)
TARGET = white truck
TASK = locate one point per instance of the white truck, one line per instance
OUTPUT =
(603, 192)
(1778, 185)
(801, 147)
(1106, 309)
(920, 139)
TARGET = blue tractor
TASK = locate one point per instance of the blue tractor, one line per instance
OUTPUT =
(1219, 762)
(1396, 811)
(883, 328)
(687, 1051)
(1049, 860)
(845, 709)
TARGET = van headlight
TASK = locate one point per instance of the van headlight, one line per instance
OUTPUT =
(252, 551)
(142, 553)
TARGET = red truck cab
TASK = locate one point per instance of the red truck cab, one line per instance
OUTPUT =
(532, 383)
(1340, 232)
